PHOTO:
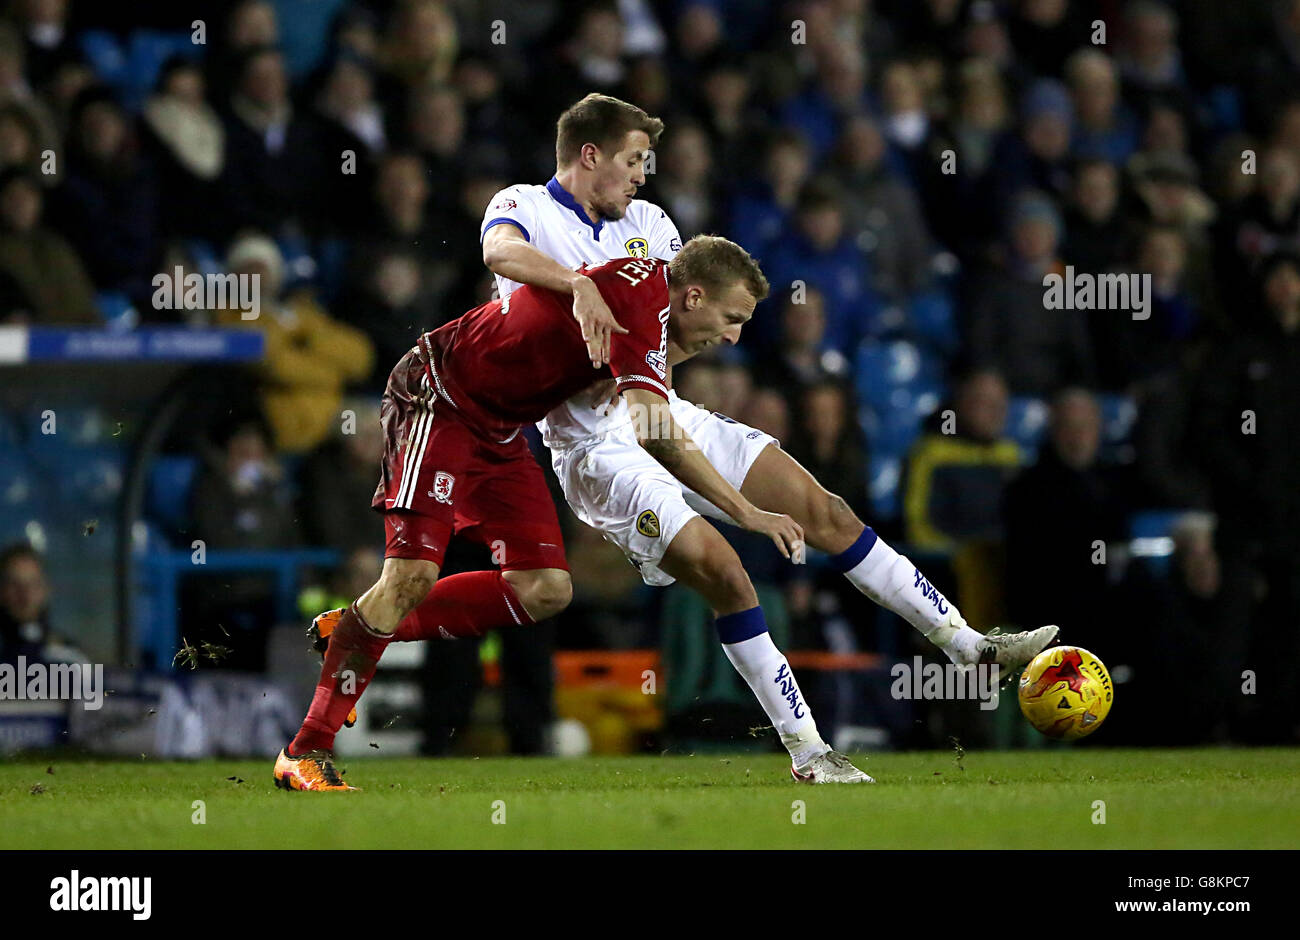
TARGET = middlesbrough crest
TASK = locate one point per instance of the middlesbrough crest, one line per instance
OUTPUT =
(442, 484)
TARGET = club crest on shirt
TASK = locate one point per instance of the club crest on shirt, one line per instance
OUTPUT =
(637, 247)
(648, 524)
(442, 484)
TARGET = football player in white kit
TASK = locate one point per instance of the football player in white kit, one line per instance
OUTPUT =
(587, 214)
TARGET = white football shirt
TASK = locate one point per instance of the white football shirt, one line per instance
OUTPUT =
(557, 226)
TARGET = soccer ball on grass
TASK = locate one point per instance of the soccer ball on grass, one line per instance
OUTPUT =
(1066, 692)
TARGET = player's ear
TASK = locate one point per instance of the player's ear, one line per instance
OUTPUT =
(588, 156)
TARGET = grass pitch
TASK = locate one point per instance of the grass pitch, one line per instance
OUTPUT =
(1043, 799)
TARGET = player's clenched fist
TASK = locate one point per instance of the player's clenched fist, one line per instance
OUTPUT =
(595, 319)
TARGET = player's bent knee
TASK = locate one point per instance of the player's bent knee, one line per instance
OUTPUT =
(544, 592)
(731, 589)
(830, 521)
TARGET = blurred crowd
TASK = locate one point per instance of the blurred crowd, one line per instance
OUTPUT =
(907, 172)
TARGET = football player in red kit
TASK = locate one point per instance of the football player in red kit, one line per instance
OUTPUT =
(456, 464)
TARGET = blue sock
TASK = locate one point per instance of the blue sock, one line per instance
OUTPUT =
(741, 626)
(849, 559)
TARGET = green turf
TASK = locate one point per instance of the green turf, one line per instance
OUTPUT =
(1023, 799)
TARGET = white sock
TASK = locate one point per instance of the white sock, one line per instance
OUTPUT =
(767, 672)
(891, 580)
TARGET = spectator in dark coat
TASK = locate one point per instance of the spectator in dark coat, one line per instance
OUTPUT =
(42, 269)
(108, 203)
(1057, 512)
(1039, 350)
(240, 501)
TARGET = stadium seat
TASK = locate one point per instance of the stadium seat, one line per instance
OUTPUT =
(892, 428)
(117, 310)
(11, 434)
(933, 321)
(883, 485)
(106, 56)
(147, 51)
(70, 429)
(91, 479)
(883, 367)
(24, 501)
(1118, 415)
(168, 492)
(1026, 424)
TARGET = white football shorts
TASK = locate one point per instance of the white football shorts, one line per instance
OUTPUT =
(613, 485)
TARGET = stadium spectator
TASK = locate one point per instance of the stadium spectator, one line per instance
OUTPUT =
(802, 357)
(19, 139)
(241, 500)
(683, 180)
(1037, 157)
(47, 282)
(25, 628)
(820, 253)
(827, 441)
(1130, 351)
(436, 131)
(1096, 231)
(953, 489)
(1182, 610)
(1011, 329)
(764, 206)
(186, 144)
(108, 203)
(1065, 525)
(1249, 425)
(880, 203)
(310, 358)
(338, 480)
(280, 159)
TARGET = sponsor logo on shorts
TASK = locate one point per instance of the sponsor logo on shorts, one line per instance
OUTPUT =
(648, 524)
(442, 484)
(637, 247)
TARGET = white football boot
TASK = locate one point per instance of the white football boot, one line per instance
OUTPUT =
(1011, 651)
(831, 767)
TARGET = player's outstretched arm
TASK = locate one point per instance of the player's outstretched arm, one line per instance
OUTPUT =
(507, 253)
(667, 442)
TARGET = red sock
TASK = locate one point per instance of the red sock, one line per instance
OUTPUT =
(462, 605)
(355, 648)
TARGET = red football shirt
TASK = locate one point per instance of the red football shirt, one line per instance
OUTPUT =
(511, 361)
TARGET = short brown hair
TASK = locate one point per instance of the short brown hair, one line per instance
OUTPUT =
(603, 121)
(715, 263)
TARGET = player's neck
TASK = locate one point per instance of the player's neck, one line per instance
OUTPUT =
(572, 184)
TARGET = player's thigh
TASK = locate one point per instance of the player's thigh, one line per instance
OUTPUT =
(426, 449)
(507, 507)
(776, 482)
(615, 487)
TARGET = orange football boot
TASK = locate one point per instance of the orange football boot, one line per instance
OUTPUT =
(312, 771)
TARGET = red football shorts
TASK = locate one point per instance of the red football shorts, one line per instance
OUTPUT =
(442, 478)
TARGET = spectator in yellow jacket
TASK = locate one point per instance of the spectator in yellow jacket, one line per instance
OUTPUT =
(310, 357)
